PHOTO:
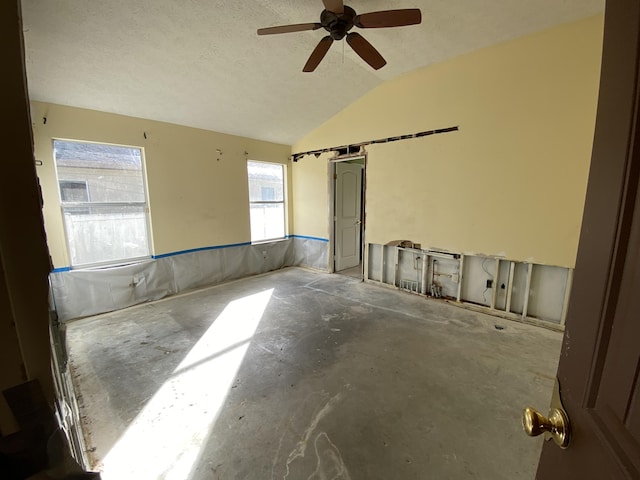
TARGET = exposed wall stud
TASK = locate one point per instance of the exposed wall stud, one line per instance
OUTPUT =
(425, 264)
(460, 278)
(495, 282)
(512, 269)
(527, 289)
(396, 261)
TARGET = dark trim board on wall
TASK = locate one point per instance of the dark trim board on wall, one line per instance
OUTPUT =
(356, 147)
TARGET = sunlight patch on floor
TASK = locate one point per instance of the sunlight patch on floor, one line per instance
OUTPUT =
(165, 439)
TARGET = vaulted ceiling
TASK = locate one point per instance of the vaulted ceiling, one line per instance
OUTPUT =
(200, 63)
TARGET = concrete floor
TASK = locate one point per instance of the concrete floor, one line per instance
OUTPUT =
(355, 272)
(302, 375)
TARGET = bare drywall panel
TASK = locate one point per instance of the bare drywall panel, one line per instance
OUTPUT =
(374, 262)
(444, 275)
(502, 285)
(389, 266)
(519, 287)
(546, 294)
(477, 270)
(409, 270)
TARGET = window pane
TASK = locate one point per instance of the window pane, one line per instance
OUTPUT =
(74, 191)
(266, 182)
(110, 173)
(108, 233)
(91, 175)
(267, 221)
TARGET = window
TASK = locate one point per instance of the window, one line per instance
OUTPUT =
(266, 199)
(104, 202)
(73, 191)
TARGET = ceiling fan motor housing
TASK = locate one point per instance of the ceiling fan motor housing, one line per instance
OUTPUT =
(338, 25)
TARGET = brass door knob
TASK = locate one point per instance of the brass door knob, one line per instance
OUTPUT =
(556, 426)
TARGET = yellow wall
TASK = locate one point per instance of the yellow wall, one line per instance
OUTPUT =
(511, 182)
(195, 200)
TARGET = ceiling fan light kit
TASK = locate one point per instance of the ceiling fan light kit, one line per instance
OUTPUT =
(338, 19)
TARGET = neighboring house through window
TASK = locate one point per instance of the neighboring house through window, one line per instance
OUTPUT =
(266, 199)
(104, 202)
(74, 191)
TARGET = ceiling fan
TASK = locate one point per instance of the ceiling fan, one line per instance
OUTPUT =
(337, 19)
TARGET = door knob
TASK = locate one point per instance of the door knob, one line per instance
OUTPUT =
(556, 426)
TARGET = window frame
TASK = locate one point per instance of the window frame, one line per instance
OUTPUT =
(84, 183)
(270, 202)
(89, 204)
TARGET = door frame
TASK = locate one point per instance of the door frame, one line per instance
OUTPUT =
(331, 172)
(596, 391)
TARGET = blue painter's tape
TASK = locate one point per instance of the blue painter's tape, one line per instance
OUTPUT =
(201, 249)
(326, 240)
(61, 269)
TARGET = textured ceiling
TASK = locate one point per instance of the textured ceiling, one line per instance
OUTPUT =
(201, 64)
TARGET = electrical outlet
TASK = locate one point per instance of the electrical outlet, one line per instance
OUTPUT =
(489, 283)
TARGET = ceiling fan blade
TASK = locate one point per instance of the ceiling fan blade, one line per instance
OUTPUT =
(335, 6)
(366, 51)
(298, 27)
(389, 18)
(318, 54)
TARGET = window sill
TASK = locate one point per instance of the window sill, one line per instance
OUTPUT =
(273, 240)
(104, 266)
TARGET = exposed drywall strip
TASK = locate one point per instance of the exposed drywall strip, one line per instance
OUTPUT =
(512, 269)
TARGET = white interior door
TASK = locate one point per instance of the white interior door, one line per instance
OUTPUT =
(348, 215)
